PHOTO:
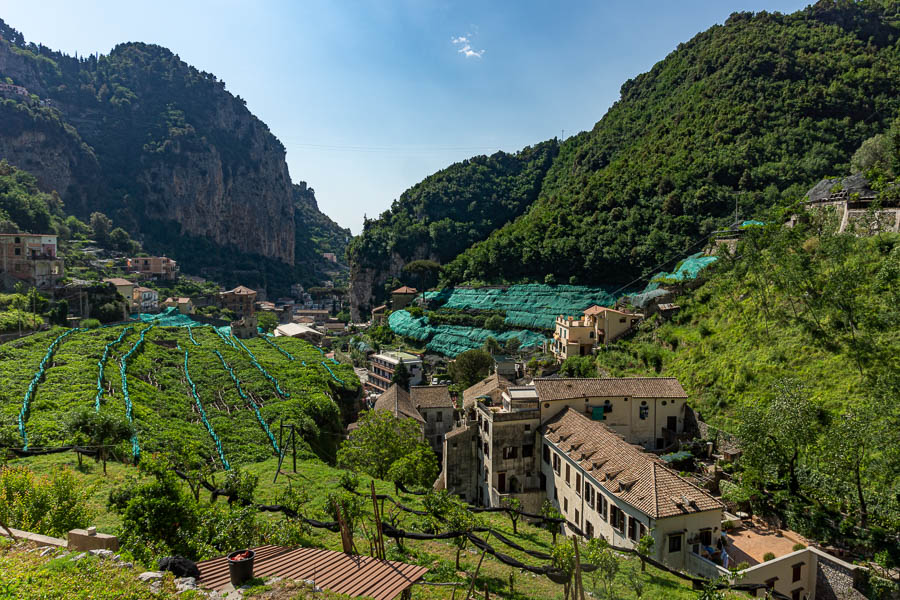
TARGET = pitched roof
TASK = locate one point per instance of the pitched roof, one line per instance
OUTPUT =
(431, 396)
(635, 387)
(397, 401)
(380, 308)
(242, 290)
(639, 478)
(596, 309)
(405, 290)
(483, 388)
(118, 281)
(142, 289)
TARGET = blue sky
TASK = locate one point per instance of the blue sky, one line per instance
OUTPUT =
(369, 97)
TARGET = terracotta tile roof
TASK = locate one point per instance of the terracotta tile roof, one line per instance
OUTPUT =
(430, 396)
(405, 290)
(397, 401)
(635, 387)
(639, 478)
(595, 310)
(241, 290)
(483, 388)
(118, 281)
(379, 308)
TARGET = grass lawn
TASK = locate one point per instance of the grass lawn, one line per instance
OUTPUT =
(318, 479)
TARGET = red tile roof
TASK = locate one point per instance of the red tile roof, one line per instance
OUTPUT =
(430, 396)
(242, 290)
(405, 290)
(639, 478)
(397, 401)
(484, 388)
(600, 387)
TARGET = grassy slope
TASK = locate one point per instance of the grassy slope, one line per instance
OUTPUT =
(164, 409)
(318, 479)
(735, 336)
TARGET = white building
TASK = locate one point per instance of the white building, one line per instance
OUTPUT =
(382, 367)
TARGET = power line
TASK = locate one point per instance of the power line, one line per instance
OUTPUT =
(389, 149)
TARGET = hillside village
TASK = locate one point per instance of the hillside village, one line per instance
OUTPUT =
(541, 374)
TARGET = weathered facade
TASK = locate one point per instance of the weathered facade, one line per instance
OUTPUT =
(31, 258)
(436, 407)
(159, 267)
(598, 326)
(240, 300)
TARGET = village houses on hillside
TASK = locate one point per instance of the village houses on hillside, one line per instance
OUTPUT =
(597, 326)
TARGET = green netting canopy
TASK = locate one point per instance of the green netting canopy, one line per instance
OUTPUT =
(688, 269)
(172, 318)
(532, 306)
(451, 340)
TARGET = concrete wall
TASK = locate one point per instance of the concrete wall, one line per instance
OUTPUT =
(438, 422)
(460, 458)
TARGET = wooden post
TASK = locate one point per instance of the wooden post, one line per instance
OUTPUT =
(579, 585)
(294, 446)
(478, 568)
(379, 541)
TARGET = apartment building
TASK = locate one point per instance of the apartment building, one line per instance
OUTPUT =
(382, 367)
(145, 300)
(159, 267)
(31, 258)
(609, 488)
(597, 326)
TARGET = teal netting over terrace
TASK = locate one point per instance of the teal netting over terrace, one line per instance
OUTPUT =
(533, 306)
(451, 340)
(172, 318)
(687, 269)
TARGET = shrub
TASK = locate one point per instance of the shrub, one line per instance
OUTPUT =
(49, 505)
(90, 323)
(727, 525)
(768, 556)
(743, 565)
(798, 546)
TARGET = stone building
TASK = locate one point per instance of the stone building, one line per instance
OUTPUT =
(490, 388)
(240, 300)
(397, 401)
(402, 297)
(434, 404)
(649, 411)
(159, 267)
(145, 300)
(31, 258)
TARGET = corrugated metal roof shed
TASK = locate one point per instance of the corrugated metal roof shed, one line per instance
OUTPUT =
(334, 571)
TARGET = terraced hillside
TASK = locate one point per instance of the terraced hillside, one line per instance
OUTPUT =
(182, 388)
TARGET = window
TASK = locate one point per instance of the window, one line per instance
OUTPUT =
(568, 472)
(706, 537)
(622, 320)
(644, 412)
(577, 518)
(588, 494)
(578, 483)
(797, 594)
(510, 452)
(565, 505)
(440, 416)
(591, 335)
(617, 518)
(589, 529)
(486, 453)
(601, 506)
(546, 453)
(18, 251)
(556, 463)
(633, 529)
(797, 571)
(675, 543)
(528, 451)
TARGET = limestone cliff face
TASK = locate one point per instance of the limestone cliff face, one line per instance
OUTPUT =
(367, 283)
(149, 140)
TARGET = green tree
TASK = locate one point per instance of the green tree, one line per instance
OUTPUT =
(512, 505)
(267, 320)
(562, 559)
(644, 548)
(401, 376)
(120, 240)
(101, 225)
(418, 468)
(579, 366)
(380, 440)
(470, 367)
(775, 436)
(102, 430)
(494, 322)
(446, 513)
(597, 552)
(551, 515)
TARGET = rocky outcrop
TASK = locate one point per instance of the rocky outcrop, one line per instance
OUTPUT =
(367, 283)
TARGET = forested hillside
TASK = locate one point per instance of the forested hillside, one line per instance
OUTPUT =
(444, 214)
(164, 150)
(748, 114)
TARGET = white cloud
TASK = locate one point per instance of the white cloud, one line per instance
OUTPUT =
(465, 46)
